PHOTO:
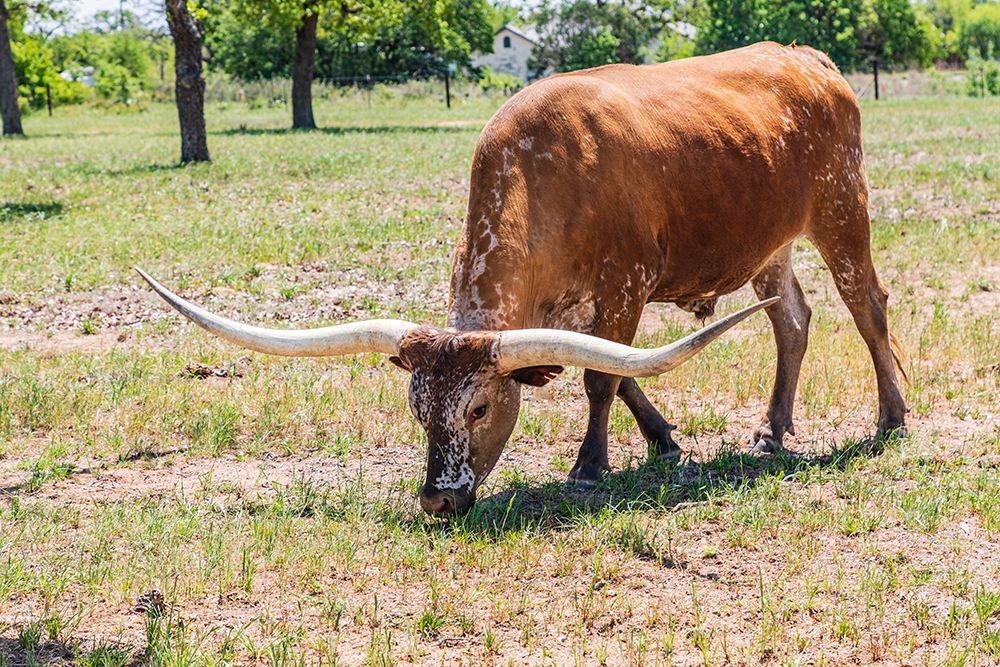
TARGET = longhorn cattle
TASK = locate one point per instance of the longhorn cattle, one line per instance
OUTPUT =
(596, 192)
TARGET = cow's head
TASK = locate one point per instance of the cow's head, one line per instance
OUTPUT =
(465, 387)
(467, 404)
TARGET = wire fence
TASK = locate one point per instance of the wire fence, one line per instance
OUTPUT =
(376, 89)
(386, 89)
(910, 83)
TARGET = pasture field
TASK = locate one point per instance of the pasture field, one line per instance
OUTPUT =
(166, 498)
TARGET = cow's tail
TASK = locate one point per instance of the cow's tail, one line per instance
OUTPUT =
(899, 357)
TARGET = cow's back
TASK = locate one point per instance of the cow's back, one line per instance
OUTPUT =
(691, 173)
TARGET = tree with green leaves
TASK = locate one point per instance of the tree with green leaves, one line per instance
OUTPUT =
(38, 80)
(244, 49)
(730, 24)
(33, 53)
(852, 32)
(892, 34)
(302, 17)
(406, 38)
(185, 28)
(382, 39)
(947, 16)
(830, 25)
(124, 59)
(979, 34)
(582, 33)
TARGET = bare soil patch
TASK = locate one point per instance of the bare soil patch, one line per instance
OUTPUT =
(706, 584)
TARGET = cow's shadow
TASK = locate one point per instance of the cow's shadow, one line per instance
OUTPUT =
(648, 486)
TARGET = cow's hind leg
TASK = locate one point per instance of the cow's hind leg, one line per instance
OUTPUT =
(844, 240)
(790, 321)
(652, 425)
(592, 461)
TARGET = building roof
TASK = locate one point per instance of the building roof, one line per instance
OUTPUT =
(527, 32)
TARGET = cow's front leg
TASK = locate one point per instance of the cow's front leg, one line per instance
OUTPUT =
(652, 425)
(592, 462)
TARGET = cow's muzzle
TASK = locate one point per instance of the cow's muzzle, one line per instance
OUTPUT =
(445, 503)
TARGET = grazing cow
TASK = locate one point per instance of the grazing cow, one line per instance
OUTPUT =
(595, 192)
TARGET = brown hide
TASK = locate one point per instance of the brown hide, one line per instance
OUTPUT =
(595, 192)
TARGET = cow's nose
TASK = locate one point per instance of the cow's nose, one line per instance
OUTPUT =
(436, 502)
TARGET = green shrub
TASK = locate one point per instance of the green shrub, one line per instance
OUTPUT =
(496, 82)
(35, 70)
(123, 66)
(115, 82)
(129, 51)
(984, 76)
(675, 46)
(590, 49)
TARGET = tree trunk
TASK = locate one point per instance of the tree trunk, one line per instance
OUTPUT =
(190, 83)
(9, 110)
(302, 75)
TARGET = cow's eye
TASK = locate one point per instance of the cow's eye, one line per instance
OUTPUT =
(479, 412)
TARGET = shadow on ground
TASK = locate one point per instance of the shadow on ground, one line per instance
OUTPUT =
(22, 211)
(91, 169)
(38, 477)
(26, 649)
(652, 485)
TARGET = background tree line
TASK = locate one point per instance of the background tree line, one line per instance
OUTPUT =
(897, 33)
(48, 56)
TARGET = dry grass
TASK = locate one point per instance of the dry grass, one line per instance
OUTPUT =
(271, 505)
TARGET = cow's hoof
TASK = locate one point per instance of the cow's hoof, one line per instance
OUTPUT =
(765, 447)
(766, 442)
(581, 484)
(669, 455)
(586, 479)
(661, 443)
(889, 432)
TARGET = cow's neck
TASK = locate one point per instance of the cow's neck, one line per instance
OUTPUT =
(484, 306)
(490, 283)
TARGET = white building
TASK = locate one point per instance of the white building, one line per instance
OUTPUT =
(511, 50)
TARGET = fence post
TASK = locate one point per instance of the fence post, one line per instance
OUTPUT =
(449, 70)
(875, 71)
(48, 98)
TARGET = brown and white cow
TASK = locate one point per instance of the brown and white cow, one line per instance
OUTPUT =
(596, 192)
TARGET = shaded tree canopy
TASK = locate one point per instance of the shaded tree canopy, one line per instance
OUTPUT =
(581, 33)
(851, 31)
(893, 33)
(979, 34)
(406, 38)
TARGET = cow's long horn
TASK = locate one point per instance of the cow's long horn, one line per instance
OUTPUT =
(354, 338)
(523, 348)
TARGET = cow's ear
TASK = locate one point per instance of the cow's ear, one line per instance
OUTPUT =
(536, 376)
(402, 364)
